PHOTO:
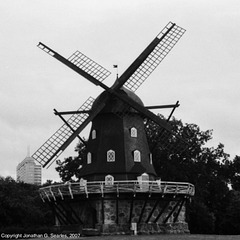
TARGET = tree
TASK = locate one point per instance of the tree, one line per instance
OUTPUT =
(205, 167)
(68, 169)
(22, 207)
(230, 217)
(234, 173)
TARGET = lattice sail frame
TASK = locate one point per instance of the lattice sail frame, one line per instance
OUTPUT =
(156, 56)
(89, 66)
(52, 148)
(83, 63)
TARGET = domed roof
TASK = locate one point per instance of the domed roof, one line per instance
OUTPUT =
(115, 104)
(133, 96)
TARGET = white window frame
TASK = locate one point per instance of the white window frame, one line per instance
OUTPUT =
(89, 158)
(150, 158)
(110, 156)
(133, 132)
(137, 156)
(109, 180)
(94, 134)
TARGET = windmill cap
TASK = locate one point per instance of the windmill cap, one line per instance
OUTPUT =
(114, 104)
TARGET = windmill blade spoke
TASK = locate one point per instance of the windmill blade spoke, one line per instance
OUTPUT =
(95, 75)
(151, 57)
(173, 141)
(144, 111)
(167, 129)
(54, 146)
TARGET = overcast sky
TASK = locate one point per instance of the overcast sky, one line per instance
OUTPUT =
(202, 71)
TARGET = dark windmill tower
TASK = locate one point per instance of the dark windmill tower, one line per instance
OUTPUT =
(119, 190)
(117, 143)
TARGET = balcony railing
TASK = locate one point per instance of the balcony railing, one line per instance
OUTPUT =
(84, 188)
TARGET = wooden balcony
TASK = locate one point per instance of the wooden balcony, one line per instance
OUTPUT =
(100, 188)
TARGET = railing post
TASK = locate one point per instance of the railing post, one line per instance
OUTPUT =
(47, 196)
(52, 194)
(60, 193)
(86, 191)
(70, 190)
(134, 189)
(102, 191)
(42, 198)
(118, 189)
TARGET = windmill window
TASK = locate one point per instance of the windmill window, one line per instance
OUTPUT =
(94, 134)
(137, 156)
(110, 156)
(133, 132)
(109, 180)
(150, 157)
(89, 158)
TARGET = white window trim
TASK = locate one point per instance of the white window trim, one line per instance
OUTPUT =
(89, 158)
(109, 180)
(150, 156)
(137, 156)
(110, 156)
(133, 132)
(94, 134)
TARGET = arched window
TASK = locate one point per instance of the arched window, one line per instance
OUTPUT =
(89, 158)
(109, 180)
(137, 156)
(133, 132)
(150, 157)
(94, 134)
(110, 156)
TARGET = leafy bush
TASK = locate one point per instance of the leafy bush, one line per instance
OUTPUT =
(21, 208)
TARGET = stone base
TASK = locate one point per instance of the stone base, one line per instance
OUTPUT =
(65, 229)
(143, 228)
(126, 214)
(90, 232)
(114, 229)
(168, 228)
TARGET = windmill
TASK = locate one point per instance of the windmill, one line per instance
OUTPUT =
(131, 80)
(117, 148)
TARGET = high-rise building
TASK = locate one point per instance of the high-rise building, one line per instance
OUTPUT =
(29, 172)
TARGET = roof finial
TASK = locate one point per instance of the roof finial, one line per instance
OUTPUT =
(116, 66)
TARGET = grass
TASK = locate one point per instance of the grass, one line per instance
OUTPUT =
(162, 237)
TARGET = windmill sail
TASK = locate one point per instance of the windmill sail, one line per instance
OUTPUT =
(54, 146)
(88, 65)
(81, 64)
(164, 42)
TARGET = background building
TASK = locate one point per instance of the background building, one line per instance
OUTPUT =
(29, 172)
